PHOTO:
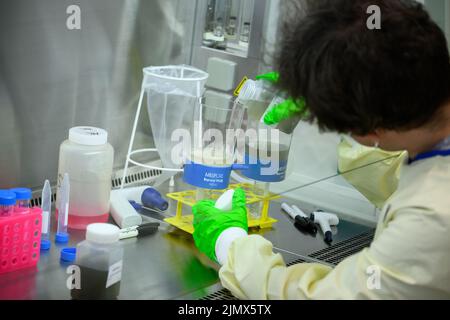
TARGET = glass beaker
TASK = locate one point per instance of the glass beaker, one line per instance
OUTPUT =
(266, 147)
(212, 154)
(266, 154)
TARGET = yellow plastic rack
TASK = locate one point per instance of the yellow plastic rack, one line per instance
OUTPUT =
(188, 198)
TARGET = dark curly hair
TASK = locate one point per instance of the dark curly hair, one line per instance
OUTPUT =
(356, 80)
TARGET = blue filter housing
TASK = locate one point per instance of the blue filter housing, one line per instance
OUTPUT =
(209, 177)
(260, 171)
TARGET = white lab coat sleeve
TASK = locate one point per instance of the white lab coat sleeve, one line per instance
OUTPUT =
(409, 259)
(224, 242)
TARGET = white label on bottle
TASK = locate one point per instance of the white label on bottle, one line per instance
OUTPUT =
(67, 214)
(128, 234)
(45, 215)
(114, 274)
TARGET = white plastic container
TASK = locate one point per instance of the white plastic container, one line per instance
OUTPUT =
(88, 159)
(100, 259)
(256, 96)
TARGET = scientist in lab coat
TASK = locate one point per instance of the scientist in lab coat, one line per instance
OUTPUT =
(389, 89)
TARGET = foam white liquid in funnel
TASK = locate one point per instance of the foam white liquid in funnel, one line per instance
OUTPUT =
(211, 155)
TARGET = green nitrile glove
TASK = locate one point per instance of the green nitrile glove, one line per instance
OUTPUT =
(209, 222)
(270, 76)
(285, 110)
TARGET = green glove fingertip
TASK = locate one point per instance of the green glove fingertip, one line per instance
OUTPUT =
(285, 110)
(270, 76)
(239, 198)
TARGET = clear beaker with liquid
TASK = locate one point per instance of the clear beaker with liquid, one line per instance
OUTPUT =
(212, 153)
(267, 147)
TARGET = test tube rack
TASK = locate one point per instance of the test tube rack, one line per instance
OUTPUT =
(188, 198)
(20, 238)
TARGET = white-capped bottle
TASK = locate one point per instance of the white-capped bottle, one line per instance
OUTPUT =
(88, 159)
(100, 260)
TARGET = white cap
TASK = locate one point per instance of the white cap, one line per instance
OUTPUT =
(89, 136)
(225, 201)
(103, 233)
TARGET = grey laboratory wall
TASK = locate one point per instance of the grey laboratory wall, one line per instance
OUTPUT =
(53, 78)
(440, 11)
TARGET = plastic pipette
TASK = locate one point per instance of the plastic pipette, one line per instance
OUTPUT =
(46, 215)
(301, 220)
(63, 211)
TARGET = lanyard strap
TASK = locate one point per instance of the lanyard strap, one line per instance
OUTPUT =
(430, 154)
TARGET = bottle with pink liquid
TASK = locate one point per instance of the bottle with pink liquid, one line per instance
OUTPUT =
(88, 159)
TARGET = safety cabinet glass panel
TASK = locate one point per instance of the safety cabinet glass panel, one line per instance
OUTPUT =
(228, 25)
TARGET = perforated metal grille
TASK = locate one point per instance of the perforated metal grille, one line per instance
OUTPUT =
(37, 201)
(222, 294)
(338, 252)
(136, 177)
(131, 178)
(295, 262)
(333, 254)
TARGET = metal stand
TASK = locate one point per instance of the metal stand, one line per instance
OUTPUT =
(133, 152)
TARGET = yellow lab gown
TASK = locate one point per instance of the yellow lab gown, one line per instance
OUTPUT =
(408, 259)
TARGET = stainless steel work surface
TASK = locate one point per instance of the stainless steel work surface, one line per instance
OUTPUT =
(165, 265)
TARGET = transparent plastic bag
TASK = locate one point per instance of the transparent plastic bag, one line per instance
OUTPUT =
(172, 93)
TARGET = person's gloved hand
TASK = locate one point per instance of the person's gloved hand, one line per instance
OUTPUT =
(287, 109)
(272, 77)
(209, 222)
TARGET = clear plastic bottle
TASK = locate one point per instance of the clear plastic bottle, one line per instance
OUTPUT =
(231, 28)
(23, 197)
(88, 159)
(256, 97)
(245, 34)
(100, 259)
(218, 29)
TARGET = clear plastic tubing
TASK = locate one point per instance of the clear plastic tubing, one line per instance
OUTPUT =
(23, 197)
(7, 203)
